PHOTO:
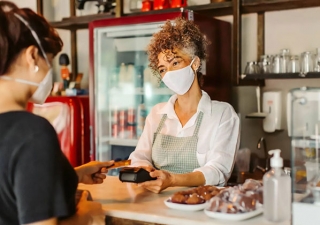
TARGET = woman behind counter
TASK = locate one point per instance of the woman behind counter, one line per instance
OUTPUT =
(189, 140)
(37, 183)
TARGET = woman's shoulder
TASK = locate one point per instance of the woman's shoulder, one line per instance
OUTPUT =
(215, 105)
(158, 108)
(24, 120)
(222, 107)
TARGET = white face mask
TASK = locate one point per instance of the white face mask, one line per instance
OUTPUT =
(179, 81)
(45, 86)
(43, 90)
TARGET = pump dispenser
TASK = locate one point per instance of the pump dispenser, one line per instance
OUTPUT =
(276, 160)
(276, 190)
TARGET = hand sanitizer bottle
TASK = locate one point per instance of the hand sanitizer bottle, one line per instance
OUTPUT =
(276, 191)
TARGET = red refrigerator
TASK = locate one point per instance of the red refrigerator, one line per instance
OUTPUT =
(122, 87)
(70, 118)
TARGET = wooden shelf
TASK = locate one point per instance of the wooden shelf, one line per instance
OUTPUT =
(255, 6)
(235, 8)
(212, 9)
(280, 76)
(79, 22)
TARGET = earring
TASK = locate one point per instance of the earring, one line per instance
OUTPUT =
(36, 68)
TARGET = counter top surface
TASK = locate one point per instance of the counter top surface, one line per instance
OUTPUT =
(127, 201)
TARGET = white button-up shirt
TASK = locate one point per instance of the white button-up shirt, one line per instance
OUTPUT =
(218, 138)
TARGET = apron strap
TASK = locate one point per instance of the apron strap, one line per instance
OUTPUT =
(164, 117)
(199, 120)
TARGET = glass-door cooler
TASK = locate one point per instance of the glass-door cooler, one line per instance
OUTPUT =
(122, 87)
(125, 88)
(304, 127)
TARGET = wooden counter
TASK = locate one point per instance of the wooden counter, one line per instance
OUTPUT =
(127, 204)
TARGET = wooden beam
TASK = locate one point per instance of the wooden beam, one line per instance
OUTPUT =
(237, 45)
(79, 22)
(119, 8)
(261, 35)
(72, 8)
(236, 42)
(73, 42)
(40, 7)
(74, 57)
(254, 6)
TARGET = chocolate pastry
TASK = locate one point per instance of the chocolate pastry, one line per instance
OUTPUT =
(196, 195)
(206, 196)
(251, 184)
(244, 202)
(195, 199)
(239, 199)
(257, 195)
(178, 198)
(227, 207)
(216, 203)
(224, 194)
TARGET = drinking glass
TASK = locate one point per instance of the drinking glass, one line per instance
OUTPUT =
(284, 60)
(317, 61)
(276, 64)
(252, 68)
(307, 62)
(294, 64)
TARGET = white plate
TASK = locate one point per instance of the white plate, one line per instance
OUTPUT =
(185, 207)
(234, 217)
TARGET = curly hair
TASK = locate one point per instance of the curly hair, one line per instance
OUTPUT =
(177, 34)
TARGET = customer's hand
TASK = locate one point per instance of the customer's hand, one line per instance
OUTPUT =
(92, 172)
(90, 211)
(163, 181)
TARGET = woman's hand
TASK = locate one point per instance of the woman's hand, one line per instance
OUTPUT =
(92, 172)
(163, 181)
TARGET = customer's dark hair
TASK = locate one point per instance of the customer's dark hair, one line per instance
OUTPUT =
(15, 36)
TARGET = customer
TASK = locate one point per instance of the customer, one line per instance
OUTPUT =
(189, 140)
(38, 184)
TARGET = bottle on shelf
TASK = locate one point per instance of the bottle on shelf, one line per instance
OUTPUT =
(141, 117)
(122, 123)
(130, 74)
(276, 191)
(317, 61)
(131, 123)
(123, 73)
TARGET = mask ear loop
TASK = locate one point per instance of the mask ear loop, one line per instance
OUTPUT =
(35, 36)
(193, 61)
(196, 70)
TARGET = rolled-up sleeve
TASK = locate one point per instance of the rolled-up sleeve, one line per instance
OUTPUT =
(223, 148)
